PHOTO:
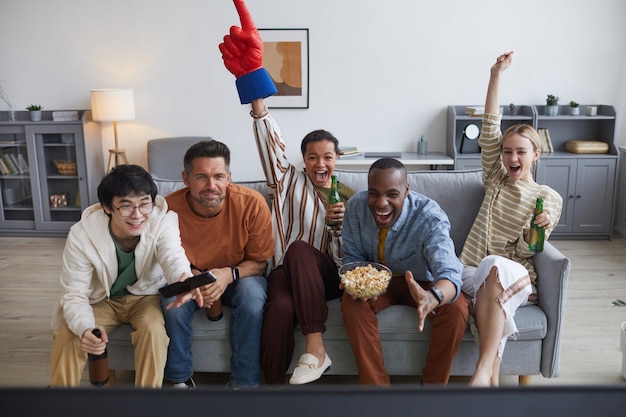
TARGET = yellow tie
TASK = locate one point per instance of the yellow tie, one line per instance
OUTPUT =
(382, 235)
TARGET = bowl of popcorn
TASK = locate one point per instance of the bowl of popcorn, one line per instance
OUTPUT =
(365, 279)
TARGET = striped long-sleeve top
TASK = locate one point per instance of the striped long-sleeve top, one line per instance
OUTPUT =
(298, 206)
(507, 209)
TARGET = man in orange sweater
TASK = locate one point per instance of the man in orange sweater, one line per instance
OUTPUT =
(225, 228)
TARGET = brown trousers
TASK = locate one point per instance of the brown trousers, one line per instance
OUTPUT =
(448, 325)
(297, 292)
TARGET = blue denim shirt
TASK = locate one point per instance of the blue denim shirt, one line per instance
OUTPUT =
(419, 241)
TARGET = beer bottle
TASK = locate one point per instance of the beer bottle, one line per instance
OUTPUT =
(333, 197)
(215, 313)
(537, 233)
(98, 365)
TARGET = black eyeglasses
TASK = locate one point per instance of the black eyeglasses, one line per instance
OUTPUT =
(127, 211)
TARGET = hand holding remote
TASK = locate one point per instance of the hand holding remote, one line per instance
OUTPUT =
(189, 284)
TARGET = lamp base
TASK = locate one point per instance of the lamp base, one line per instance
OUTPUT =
(117, 155)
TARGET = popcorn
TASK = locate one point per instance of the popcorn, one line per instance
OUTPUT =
(365, 281)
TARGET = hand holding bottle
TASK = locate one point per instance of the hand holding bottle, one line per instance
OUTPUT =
(99, 361)
(94, 344)
(334, 214)
(335, 207)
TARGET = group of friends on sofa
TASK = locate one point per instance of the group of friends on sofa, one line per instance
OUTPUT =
(277, 268)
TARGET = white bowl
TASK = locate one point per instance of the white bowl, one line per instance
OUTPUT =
(371, 284)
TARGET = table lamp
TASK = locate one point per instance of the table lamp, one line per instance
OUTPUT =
(113, 105)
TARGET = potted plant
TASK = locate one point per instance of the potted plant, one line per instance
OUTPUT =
(514, 109)
(552, 105)
(574, 108)
(35, 112)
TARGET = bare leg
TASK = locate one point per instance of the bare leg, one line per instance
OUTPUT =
(495, 374)
(490, 320)
(315, 346)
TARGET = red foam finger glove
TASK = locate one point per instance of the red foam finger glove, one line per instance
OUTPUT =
(242, 52)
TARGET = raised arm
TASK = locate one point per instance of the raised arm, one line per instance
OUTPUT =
(492, 102)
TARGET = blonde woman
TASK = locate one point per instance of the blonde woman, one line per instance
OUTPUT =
(499, 275)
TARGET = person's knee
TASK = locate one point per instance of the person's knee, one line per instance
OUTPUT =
(459, 309)
(63, 336)
(297, 247)
(281, 305)
(252, 291)
(351, 307)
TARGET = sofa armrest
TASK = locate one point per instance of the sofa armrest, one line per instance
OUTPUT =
(553, 270)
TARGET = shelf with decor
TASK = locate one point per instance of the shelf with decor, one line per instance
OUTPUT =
(60, 169)
(585, 178)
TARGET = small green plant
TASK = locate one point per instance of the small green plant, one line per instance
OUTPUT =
(511, 106)
(573, 104)
(32, 107)
(552, 100)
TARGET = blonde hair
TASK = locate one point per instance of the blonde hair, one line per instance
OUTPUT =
(526, 131)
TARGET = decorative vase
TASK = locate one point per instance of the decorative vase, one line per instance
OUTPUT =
(35, 115)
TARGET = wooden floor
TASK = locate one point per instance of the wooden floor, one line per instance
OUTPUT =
(590, 355)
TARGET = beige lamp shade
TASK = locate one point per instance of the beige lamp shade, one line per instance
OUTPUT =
(112, 105)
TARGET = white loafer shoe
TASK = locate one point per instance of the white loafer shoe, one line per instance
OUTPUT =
(307, 369)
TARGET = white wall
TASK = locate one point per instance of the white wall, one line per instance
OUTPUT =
(382, 73)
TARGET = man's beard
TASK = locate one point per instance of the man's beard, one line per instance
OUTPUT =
(209, 204)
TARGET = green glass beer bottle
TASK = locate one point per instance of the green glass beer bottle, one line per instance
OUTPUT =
(537, 233)
(333, 197)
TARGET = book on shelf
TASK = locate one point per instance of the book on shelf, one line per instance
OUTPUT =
(353, 155)
(346, 148)
(22, 162)
(475, 110)
(16, 163)
(12, 169)
(65, 116)
(4, 169)
(545, 141)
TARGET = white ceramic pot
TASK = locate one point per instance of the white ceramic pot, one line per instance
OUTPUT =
(574, 111)
(35, 115)
(552, 110)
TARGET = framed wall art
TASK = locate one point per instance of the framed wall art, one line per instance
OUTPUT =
(286, 58)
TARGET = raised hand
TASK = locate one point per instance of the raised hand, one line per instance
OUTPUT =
(242, 49)
(242, 52)
(503, 61)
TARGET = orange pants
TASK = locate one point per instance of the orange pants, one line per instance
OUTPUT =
(448, 325)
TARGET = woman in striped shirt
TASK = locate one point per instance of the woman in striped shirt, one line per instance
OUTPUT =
(499, 275)
(303, 273)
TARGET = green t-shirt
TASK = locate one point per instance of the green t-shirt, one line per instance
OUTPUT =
(126, 274)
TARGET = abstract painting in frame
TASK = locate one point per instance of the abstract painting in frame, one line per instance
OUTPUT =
(286, 58)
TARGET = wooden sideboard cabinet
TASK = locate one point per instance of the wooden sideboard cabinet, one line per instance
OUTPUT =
(49, 173)
(587, 182)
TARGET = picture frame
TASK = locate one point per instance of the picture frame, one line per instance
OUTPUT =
(286, 58)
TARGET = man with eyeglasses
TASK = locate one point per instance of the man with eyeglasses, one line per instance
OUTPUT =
(227, 229)
(116, 258)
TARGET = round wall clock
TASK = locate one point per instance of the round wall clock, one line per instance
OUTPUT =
(471, 132)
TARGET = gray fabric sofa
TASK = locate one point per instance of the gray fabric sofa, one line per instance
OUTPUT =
(535, 351)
